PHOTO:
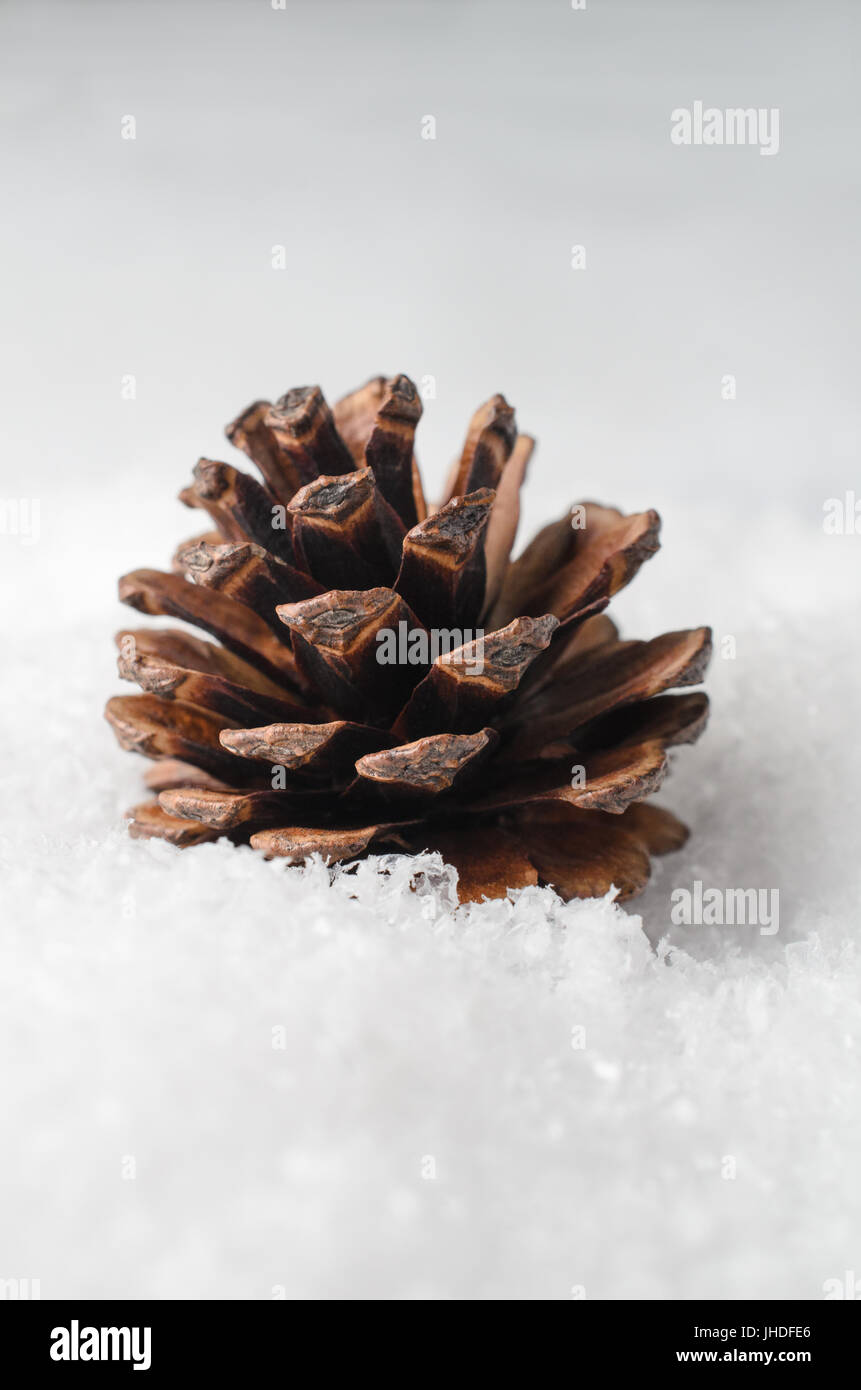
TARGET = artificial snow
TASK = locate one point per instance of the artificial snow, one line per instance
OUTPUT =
(229, 1078)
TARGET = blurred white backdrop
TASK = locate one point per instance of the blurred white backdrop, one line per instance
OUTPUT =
(448, 258)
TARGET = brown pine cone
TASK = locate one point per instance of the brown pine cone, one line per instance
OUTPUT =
(384, 677)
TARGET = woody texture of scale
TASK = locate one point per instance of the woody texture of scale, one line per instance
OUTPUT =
(289, 732)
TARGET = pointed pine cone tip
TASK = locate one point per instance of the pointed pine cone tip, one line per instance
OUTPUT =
(131, 589)
(246, 422)
(335, 497)
(355, 414)
(212, 478)
(299, 412)
(400, 400)
(153, 726)
(291, 745)
(251, 412)
(150, 672)
(506, 654)
(208, 538)
(187, 803)
(612, 780)
(335, 618)
(171, 772)
(492, 413)
(222, 810)
(454, 526)
(213, 564)
(621, 544)
(467, 686)
(643, 544)
(698, 646)
(150, 821)
(489, 441)
(620, 777)
(429, 765)
(297, 843)
(500, 417)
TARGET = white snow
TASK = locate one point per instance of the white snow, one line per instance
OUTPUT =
(356, 1090)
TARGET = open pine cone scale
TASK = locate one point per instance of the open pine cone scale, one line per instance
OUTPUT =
(383, 676)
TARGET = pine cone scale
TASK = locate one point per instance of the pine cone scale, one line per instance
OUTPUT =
(609, 678)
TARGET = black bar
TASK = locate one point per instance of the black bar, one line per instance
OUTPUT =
(222, 1338)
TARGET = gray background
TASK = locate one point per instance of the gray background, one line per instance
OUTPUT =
(450, 257)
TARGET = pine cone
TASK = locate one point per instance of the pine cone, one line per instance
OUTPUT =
(384, 677)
